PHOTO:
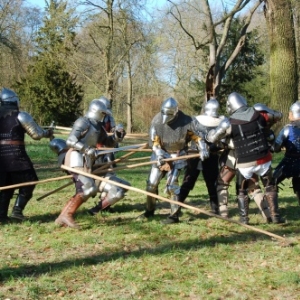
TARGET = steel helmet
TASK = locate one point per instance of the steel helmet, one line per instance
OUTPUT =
(211, 108)
(9, 97)
(169, 110)
(97, 111)
(295, 109)
(234, 102)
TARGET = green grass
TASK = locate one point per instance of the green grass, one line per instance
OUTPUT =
(114, 256)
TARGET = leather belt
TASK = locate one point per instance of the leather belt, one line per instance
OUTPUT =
(4, 142)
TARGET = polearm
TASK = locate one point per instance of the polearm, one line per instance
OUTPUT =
(278, 237)
(98, 171)
(14, 186)
(102, 167)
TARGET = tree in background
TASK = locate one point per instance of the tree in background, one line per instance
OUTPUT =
(241, 72)
(210, 24)
(49, 91)
(283, 60)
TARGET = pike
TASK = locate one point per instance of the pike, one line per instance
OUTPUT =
(102, 167)
(98, 171)
(14, 186)
(174, 202)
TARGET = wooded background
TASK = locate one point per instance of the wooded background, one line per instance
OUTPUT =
(61, 57)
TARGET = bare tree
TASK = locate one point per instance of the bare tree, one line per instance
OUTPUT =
(213, 26)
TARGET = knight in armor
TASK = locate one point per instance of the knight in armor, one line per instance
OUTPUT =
(108, 121)
(170, 133)
(249, 132)
(15, 164)
(109, 193)
(289, 138)
(86, 134)
(210, 119)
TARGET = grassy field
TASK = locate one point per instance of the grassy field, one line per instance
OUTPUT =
(115, 256)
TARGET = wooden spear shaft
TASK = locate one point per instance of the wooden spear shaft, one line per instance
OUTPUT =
(15, 186)
(172, 201)
(97, 171)
(69, 183)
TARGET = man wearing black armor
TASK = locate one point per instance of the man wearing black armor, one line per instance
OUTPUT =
(289, 138)
(210, 167)
(170, 132)
(15, 165)
(249, 132)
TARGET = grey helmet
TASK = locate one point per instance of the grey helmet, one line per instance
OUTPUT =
(295, 109)
(234, 102)
(59, 146)
(211, 108)
(106, 102)
(9, 97)
(169, 110)
(97, 111)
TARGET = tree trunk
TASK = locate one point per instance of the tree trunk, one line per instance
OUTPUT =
(129, 97)
(283, 60)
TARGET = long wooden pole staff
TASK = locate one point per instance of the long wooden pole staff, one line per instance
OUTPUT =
(102, 167)
(14, 186)
(174, 202)
(99, 171)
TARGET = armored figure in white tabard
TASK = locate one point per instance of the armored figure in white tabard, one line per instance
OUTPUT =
(170, 133)
(86, 134)
(15, 165)
(209, 167)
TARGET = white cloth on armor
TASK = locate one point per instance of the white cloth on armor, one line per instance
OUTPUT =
(259, 170)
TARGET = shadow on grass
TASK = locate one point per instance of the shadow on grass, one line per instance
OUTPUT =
(36, 270)
(290, 210)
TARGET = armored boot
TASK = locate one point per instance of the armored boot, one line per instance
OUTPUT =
(103, 205)
(175, 211)
(271, 196)
(4, 204)
(222, 201)
(66, 216)
(243, 204)
(17, 212)
(262, 204)
(150, 208)
(214, 205)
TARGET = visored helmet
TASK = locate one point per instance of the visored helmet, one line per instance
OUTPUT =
(295, 109)
(9, 97)
(106, 102)
(234, 102)
(97, 111)
(211, 108)
(169, 110)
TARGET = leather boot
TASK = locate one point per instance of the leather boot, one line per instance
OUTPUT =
(4, 204)
(243, 204)
(66, 216)
(262, 205)
(17, 212)
(298, 196)
(271, 196)
(214, 205)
